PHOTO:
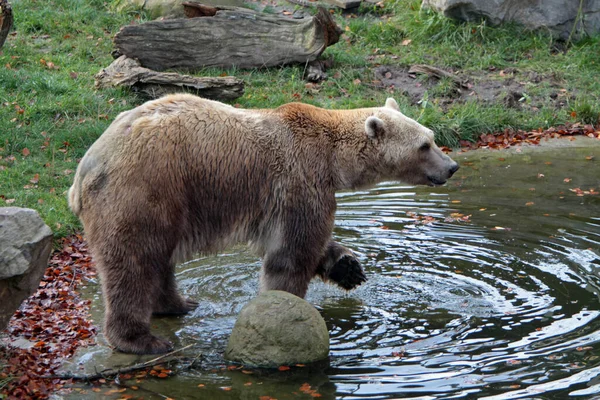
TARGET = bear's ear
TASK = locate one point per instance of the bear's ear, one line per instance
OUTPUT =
(374, 127)
(391, 103)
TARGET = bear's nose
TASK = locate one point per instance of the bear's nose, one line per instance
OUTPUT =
(454, 168)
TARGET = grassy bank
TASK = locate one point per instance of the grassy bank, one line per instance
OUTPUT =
(50, 112)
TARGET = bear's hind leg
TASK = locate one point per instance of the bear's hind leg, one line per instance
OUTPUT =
(340, 265)
(169, 301)
(131, 281)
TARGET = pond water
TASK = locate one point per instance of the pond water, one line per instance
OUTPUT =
(485, 288)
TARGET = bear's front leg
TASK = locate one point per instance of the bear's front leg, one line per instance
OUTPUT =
(341, 266)
(288, 272)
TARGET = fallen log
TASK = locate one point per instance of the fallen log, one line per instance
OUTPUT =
(227, 37)
(127, 72)
(437, 72)
(6, 20)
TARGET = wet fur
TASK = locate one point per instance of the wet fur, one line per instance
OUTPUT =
(183, 175)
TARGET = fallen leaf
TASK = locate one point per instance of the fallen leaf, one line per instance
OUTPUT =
(25, 152)
(406, 42)
(284, 368)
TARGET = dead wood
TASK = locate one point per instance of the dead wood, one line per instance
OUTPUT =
(111, 372)
(127, 72)
(6, 20)
(227, 37)
(315, 70)
(195, 10)
(437, 72)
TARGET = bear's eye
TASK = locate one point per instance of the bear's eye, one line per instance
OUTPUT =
(425, 147)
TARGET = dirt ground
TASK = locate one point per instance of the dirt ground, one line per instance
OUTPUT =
(509, 87)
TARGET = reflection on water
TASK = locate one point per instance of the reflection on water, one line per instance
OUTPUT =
(485, 288)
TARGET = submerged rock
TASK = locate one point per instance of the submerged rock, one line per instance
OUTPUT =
(25, 246)
(277, 328)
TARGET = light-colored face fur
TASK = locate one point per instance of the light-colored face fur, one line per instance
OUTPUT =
(407, 151)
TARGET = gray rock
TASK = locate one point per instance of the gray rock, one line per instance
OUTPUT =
(25, 246)
(277, 328)
(558, 16)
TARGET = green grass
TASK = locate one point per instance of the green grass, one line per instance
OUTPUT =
(50, 112)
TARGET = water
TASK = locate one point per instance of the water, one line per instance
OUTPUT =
(485, 288)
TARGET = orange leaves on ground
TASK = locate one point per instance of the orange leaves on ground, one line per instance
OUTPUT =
(508, 138)
(284, 368)
(158, 371)
(48, 64)
(25, 152)
(55, 319)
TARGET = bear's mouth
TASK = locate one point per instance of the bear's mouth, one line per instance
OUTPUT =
(433, 181)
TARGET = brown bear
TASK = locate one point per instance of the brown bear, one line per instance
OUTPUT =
(183, 175)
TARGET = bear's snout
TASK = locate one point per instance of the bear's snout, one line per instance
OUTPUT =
(453, 168)
(444, 174)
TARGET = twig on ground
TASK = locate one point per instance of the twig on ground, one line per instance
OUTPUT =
(111, 371)
(437, 72)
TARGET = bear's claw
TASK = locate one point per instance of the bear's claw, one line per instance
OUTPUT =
(347, 272)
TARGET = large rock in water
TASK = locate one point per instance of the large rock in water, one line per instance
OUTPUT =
(558, 16)
(25, 246)
(277, 328)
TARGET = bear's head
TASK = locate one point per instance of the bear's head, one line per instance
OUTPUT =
(404, 149)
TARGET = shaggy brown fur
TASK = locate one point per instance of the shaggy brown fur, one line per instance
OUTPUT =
(182, 175)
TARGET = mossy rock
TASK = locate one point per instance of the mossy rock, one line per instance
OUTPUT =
(277, 328)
